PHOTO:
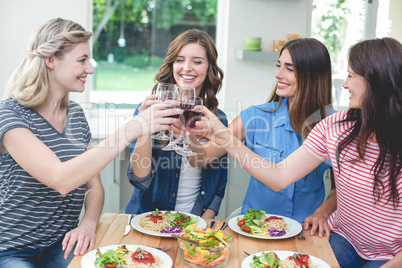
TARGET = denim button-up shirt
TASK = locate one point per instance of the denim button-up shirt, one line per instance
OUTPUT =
(159, 188)
(271, 136)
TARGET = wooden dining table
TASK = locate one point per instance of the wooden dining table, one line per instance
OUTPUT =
(111, 227)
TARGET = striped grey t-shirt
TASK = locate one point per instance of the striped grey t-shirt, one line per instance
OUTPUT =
(33, 215)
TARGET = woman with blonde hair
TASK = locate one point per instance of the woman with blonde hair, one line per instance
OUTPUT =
(48, 169)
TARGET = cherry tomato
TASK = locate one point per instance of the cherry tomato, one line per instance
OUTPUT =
(241, 222)
(300, 259)
(110, 266)
(246, 229)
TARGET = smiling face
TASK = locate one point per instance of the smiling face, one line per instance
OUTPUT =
(357, 86)
(285, 74)
(191, 66)
(69, 72)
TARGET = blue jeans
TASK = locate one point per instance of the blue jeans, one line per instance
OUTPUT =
(347, 256)
(48, 257)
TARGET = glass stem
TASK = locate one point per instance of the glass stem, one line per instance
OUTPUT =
(185, 145)
(171, 133)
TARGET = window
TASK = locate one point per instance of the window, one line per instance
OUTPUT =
(341, 23)
(131, 38)
(338, 24)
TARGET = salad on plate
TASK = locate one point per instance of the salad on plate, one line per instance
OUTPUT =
(257, 223)
(123, 257)
(166, 222)
(283, 259)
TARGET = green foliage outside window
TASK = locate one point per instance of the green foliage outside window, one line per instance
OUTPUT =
(149, 26)
(139, 17)
(331, 23)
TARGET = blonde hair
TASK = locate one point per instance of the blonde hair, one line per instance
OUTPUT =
(29, 84)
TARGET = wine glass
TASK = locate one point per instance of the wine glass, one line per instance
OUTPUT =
(192, 112)
(185, 93)
(172, 95)
(161, 98)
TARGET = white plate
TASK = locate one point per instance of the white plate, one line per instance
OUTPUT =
(88, 261)
(316, 262)
(135, 222)
(295, 228)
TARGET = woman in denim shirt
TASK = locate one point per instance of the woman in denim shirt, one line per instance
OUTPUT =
(164, 179)
(276, 129)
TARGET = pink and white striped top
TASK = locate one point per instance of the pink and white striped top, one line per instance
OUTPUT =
(375, 230)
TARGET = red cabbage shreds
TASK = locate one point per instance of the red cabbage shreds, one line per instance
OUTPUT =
(173, 230)
(275, 232)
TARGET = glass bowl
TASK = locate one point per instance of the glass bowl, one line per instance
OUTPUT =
(205, 256)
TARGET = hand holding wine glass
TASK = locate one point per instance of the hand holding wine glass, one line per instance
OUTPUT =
(155, 118)
(192, 112)
(171, 95)
(162, 87)
(149, 101)
(212, 128)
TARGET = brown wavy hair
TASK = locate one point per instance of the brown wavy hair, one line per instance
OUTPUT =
(213, 81)
(379, 62)
(312, 68)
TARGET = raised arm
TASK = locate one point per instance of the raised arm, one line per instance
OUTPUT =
(40, 161)
(276, 176)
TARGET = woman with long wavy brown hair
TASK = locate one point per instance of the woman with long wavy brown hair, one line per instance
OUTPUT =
(213, 81)
(164, 179)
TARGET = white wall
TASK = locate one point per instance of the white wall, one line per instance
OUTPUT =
(250, 82)
(19, 19)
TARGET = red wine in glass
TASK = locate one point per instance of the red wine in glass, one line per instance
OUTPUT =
(190, 117)
(192, 112)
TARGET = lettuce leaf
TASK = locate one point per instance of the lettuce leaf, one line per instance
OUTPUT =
(109, 257)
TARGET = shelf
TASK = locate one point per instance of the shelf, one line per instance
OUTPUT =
(257, 55)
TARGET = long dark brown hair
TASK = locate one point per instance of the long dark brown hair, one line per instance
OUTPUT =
(312, 68)
(213, 81)
(379, 62)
